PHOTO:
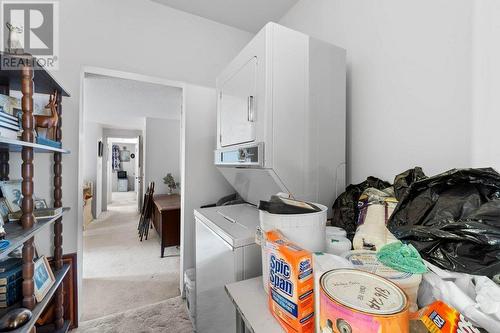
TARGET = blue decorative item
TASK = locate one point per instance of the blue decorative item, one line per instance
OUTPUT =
(4, 244)
(47, 142)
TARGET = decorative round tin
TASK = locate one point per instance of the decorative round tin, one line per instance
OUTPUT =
(358, 301)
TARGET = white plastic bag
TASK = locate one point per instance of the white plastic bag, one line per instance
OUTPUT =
(476, 297)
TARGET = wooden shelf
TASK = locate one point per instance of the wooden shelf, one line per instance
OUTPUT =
(44, 81)
(65, 327)
(17, 145)
(17, 235)
(50, 328)
(39, 307)
(29, 77)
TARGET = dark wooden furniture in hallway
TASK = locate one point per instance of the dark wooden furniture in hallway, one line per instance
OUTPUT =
(167, 219)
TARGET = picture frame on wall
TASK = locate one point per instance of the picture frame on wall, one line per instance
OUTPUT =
(43, 277)
(124, 155)
(12, 193)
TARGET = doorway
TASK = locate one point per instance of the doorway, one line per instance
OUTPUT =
(124, 174)
(137, 126)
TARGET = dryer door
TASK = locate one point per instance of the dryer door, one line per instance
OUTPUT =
(237, 106)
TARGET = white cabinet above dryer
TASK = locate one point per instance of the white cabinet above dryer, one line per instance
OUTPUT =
(241, 90)
(281, 116)
(237, 105)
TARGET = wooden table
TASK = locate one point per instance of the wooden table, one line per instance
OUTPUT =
(166, 218)
(250, 301)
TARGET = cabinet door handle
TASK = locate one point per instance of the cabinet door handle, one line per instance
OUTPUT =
(250, 109)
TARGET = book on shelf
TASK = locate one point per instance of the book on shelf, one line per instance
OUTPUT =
(9, 126)
(42, 213)
(13, 285)
(10, 120)
(13, 294)
(7, 115)
(11, 275)
(11, 299)
(47, 142)
(9, 263)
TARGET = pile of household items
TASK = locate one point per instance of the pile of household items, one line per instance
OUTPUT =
(420, 255)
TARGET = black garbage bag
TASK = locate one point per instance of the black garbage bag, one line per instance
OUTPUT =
(453, 220)
(345, 207)
(403, 181)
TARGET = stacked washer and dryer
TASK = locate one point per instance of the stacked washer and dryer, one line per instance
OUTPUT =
(281, 127)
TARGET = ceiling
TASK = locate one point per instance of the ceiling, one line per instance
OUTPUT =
(248, 15)
(120, 103)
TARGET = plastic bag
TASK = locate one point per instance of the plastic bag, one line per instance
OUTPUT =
(476, 297)
(403, 181)
(453, 220)
(345, 207)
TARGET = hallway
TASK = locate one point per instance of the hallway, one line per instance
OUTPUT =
(119, 272)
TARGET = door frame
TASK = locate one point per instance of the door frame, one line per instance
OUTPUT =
(109, 144)
(92, 70)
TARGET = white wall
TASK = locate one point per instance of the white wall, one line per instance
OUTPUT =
(91, 160)
(486, 83)
(409, 80)
(162, 142)
(203, 183)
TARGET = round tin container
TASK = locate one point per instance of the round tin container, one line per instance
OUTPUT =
(367, 261)
(358, 301)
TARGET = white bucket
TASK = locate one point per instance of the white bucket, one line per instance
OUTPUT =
(337, 245)
(335, 231)
(306, 230)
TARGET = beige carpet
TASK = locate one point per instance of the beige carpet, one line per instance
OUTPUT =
(119, 272)
(165, 317)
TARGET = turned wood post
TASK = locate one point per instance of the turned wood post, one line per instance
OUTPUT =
(27, 218)
(4, 153)
(4, 164)
(58, 238)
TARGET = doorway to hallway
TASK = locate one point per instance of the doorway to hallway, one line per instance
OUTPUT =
(133, 128)
(124, 171)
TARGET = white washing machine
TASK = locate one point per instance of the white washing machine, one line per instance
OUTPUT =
(225, 252)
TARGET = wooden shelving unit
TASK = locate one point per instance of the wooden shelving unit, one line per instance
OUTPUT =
(17, 146)
(17, 235)
(39, 307)
(26, 79)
